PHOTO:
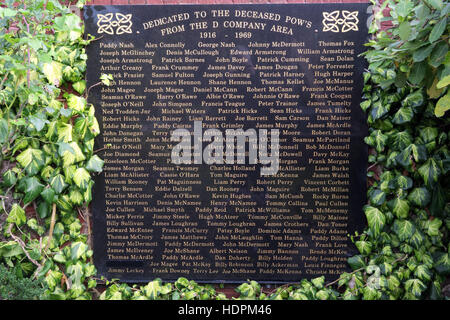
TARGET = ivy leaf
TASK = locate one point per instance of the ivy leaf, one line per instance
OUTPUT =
(77, 250)
(76, 197)
(399, 207)
(377, 197)
(33, 189)
(404, 157)
(432, 227)
(419, 152)
(401, 140)
(375, 218)
(442, 263)
(415, 286)
(53, 72)
(416, 239)
(76, 273)
(428, 134)
(64, 132)
(63, 203)
(76, 103)
(65, 112)
(404, 229)
(370, 293)
(72, 154)
(10, 249)
(322, 295)
(246, 290)
(95, 164)
(106, 79)
(38, 121)
(58, 184)
(152, 289)
(393, 283)
(423, 273)
(68, 173)
(377, 140)
(414, 99)
(438, 30)
(318, 282)
(81, 178)
(430, 172)
(67, 153)
(364, 247)
(419, 197)
(88, 193)
(79, 86)
(442, 105)
(32, 160)
(445, 81)
(378, 110)
(43, 209)
(403, 115)
(9, 178)
(17, 215)
(58, 231)
(386, 268)
(48, 195)
(60, 257)
(81, 126)
(435, 291)
(365, 105)
(403, 182)
(437, 200)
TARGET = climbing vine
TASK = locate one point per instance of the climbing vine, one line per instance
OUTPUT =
(48, 161)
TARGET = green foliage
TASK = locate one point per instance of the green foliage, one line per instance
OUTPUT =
(13, 286)
(47, 136)
(47, 133)
(412, 54)
(403, 253)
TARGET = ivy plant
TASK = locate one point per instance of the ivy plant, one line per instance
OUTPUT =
(47, 132)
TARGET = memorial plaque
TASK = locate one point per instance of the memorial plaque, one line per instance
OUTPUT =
(233, 140)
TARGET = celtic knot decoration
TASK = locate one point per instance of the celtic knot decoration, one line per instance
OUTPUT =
(332, 20)
(122, 23)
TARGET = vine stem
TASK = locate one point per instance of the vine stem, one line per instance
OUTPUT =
(28, 53)
(89, 89)
(3, 80)
(337, 280)
(52, 225)
(362, 268)
(22, 245)
(372, 166)
(283, 287)
(101, 149)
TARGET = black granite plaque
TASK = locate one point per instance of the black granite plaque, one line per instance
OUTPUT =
(247, 69)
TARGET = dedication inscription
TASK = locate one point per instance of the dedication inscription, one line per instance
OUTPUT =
(287, 74)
